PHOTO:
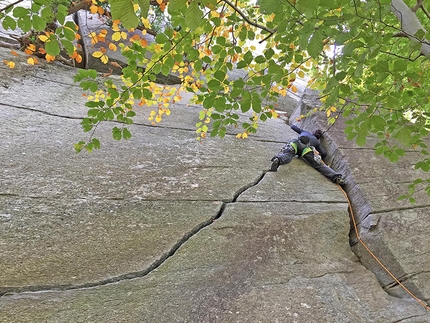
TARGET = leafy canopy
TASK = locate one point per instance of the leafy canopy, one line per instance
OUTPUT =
(369, 66)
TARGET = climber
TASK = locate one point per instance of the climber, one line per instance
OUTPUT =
(308, 146)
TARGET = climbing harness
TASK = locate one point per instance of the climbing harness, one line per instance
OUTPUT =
(308, 149)
(291, 146)
(375, 257)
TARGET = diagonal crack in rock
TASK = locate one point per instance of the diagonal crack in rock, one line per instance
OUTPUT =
(5, 291)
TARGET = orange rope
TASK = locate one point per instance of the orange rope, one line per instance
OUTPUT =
(376, 258)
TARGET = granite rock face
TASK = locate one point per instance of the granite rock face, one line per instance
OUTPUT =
(395, 230)
(160, 228)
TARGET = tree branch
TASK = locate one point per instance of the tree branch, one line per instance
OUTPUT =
(10, 5)
(417, 6)
(409, 22)
(252, 23)
(425, 12)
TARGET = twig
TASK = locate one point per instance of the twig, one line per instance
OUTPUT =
(11, 5)
(417, 6)
(252, 23)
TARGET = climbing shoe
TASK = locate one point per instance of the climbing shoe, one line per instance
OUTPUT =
(275, 164)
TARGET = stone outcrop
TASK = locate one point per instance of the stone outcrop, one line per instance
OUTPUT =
(160, 228)
(89, 23)
(394, 229)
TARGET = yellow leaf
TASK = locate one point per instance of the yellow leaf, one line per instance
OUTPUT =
(112, 47)
(104, 59)
(10, 64)
(301, 74)
(30, 49)
(97, 54)
(43, 38)
(93, 37)
(333, 109)
(49, 58)
(158, 118)
(93, 9)
(294, 89)
(116, 36)
(146, 23)
(30, 60)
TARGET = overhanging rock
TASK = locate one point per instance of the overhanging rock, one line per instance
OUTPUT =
(396, 231)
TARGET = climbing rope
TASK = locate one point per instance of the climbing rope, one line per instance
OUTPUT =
(375, 257)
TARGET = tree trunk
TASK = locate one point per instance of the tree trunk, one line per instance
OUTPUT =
(410, 23)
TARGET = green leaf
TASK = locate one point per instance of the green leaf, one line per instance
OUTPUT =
(126, 134)
(68, 46)
(247, 58)
(25, 23)
(144, 7)
(256, 102)
(209, 102)
(52, 48)
(21, 12)
(220, 75)
(124, 11)
(246, 101)
(46, 13)
(400, 65)
(176, 5)
(214, 85)
(378, 123)
(269, 53)
(270, 6)
(161, 38)
(39, 23)
(219, 104)
(361, 140)
(9, 23)
(381, 66)
(193, 15)
(328, 4)
(96, 143)
(116, 133)
(165, 70)
(260, 59)
(316, 44)
(309, 4)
